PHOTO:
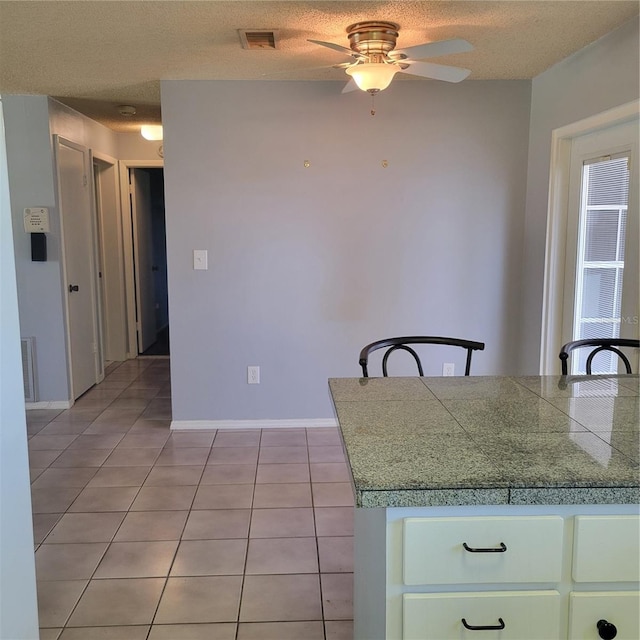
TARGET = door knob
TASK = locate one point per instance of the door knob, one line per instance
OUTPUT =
(73, 287)
(606, 630)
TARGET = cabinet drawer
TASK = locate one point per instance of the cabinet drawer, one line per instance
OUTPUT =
(620, 608)
(605, 549)
(527, 615)
(433, 551)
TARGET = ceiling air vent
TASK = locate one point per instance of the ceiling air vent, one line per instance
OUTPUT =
(258, 38)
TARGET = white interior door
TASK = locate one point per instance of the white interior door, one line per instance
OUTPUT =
(143, 258)
(602, 270)
(76, 211)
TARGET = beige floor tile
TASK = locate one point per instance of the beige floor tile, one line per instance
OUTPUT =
(99, 428)
(249, 438)
(73, 477)
(121, 417)
(106, 633)
(35, 428)
(158, 409)
(280, 631)
(229, 474)
(210, 558)
(337, 596)
(323, 437)
(42, 459)
(144, 440)
(326, 453)
(34, 474)
(66, 428)
(77, 415)
(75, 561)
(283, 438)
(142, 425)
(336, 554)
(96, 499)
(164, 499)
(81, 458)
(332, 494)
(233, 455)
(152, 525)
(339, 629)
(144, 394)
(50, 634)
(282, 473)
(86, 527)
(114, 602)
(104, 441)
(282, 523)
(56, 600)
(269, 496)
(41, 415)
(183, 456)
(281, 598)
(219, 631)
(281, 555)
(174, 476)
(330, 472)
(54, 500)
(224, 496)
(47, 442)
(190, 439)
(120, 477)
(334, 521)
(201, 599)
(132, 457)
(129, 403)
(217, 524)
(42, 525)
(137, 559)
(271, 455)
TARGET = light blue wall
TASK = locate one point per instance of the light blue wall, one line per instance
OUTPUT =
(599, 77)
(307, 265)
(18, 605)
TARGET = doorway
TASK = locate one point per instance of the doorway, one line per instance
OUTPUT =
(148, 229)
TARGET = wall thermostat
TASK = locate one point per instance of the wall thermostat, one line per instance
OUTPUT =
(36, 220)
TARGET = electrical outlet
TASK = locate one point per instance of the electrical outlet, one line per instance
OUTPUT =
(253, 375)
(448, 369)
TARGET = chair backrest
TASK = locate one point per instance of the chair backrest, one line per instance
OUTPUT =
(396, 344)
(599, 344)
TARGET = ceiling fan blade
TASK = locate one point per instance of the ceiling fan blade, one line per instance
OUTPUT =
(340, 48)
(350, 86)
(434, 49)
(435, 71)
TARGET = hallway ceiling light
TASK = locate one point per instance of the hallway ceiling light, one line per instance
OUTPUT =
(151, 131)
(127, 110)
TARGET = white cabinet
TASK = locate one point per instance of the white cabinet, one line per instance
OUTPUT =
(482, 550)
(545, 572)
(489, 615)
(618, 608)
(606, 549)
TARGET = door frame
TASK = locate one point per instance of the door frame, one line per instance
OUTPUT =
(556, 240)
(127, 242)
(95, 311)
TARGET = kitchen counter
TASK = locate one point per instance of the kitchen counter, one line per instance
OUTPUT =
(491, 440)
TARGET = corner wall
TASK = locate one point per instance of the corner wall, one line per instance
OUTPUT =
(307, 265)
(599, 77)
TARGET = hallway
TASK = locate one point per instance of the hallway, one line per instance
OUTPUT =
(146, 534)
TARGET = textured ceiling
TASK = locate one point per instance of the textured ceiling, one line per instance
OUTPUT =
(95, 55)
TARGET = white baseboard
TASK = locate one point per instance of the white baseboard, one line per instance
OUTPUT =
(50, 404)
(303, 423)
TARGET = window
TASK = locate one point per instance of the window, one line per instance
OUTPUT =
(600, 257)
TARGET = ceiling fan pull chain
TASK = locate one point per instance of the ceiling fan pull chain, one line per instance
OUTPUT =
(373, 104)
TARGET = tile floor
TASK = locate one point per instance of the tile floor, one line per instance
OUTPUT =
(146, 534)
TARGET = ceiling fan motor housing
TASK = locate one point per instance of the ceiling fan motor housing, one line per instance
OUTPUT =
(373, 38)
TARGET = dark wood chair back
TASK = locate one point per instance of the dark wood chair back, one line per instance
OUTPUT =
(402, 343)
(598, 344)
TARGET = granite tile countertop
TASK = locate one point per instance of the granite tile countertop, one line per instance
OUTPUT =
(491, 440)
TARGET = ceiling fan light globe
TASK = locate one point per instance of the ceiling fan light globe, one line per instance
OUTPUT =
(373, 76)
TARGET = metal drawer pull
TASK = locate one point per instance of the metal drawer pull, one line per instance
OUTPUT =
(501, 549)
(489, 627)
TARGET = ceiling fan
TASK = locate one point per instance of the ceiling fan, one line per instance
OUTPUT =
(377, 60)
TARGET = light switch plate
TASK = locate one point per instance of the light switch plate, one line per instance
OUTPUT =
(200, 259)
